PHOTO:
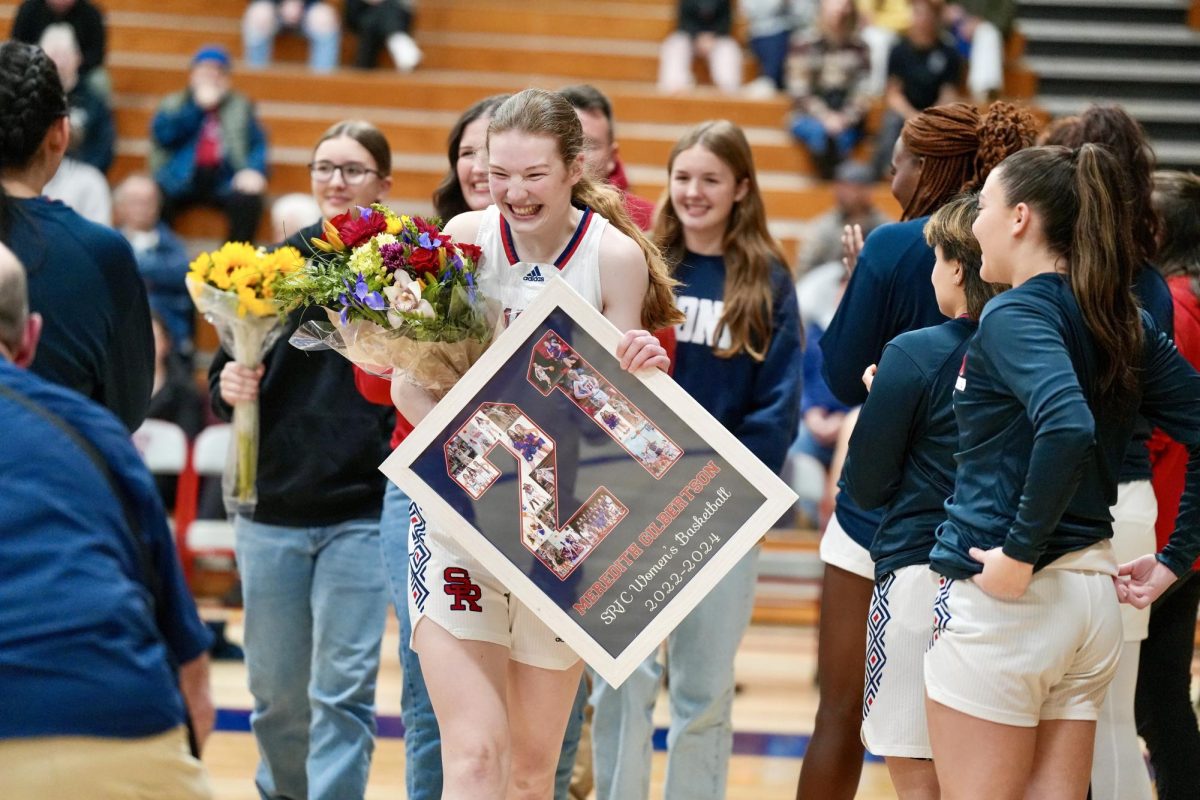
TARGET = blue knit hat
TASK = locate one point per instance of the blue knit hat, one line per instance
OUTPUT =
(213, 52)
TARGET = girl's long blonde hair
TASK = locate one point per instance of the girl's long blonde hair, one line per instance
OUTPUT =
(538, 112)
(748, 248)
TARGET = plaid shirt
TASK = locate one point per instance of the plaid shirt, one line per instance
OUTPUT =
(826, 75)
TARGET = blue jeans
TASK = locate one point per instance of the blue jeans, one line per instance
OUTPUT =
(700, 659)
(771, 53)
(324, 47)
(316, 604)
(422, 738)
(807, 444)
(812, 134)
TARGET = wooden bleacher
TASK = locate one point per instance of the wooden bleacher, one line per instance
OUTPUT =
(473, 48)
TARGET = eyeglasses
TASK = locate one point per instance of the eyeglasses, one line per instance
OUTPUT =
(352, 173)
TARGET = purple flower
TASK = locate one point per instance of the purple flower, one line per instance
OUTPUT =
(426, 243)
(372, 300)
(392, 256)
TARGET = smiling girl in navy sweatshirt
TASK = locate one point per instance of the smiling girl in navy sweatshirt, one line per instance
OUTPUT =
(1027, 631)
(738, 353)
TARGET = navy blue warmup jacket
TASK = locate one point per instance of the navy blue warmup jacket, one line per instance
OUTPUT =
(1038, 464)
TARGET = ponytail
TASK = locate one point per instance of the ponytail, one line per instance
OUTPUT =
(1113, 128)
(1079, 196)
(958, 148)
(658, 308)
(1103, 269)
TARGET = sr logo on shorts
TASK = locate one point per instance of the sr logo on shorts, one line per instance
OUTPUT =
(466, 593)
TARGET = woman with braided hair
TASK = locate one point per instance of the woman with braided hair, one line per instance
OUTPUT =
(1118, 768)
(941, 152)
(83, 278)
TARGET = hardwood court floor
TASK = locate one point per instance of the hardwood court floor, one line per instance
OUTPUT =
(775, 668)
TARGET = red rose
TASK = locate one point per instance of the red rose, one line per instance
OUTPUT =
(425, 227)
(470, 251)
(354, 229)
(423, 260)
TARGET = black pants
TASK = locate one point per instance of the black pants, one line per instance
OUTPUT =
(1163, 707)
(374, 24)
(242, 210)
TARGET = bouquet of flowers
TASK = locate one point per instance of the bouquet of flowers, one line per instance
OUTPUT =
(234, 287)
(403, 299)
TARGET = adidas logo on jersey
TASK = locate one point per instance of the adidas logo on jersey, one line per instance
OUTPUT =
(534, 275)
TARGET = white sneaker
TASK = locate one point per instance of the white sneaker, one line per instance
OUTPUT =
(762, 88)
(404, 51)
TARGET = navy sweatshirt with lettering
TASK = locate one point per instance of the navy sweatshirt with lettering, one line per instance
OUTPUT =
(901, 455)
(758, 401)
(1038, 465)
(889, 293)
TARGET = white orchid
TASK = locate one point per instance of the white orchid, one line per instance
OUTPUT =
(406, 298)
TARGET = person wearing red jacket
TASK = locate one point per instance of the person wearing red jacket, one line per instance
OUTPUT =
(1163, 709)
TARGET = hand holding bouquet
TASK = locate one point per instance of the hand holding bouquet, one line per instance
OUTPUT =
(402, 298)
(234, 287)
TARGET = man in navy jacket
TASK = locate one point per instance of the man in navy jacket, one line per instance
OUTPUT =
(93, 607)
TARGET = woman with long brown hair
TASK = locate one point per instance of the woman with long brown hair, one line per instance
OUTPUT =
(1027, 632)
(464, 187)
(502, 684)
(941, 152)
(738, 354)
(1119, 769)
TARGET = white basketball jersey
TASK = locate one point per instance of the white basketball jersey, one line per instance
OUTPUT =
(515, 283)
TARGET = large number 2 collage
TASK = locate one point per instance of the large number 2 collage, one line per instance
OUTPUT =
(560, 541)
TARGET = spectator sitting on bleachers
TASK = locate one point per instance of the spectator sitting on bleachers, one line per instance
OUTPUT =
(380, 24)
(93, 135)
(827, 69)
(161, 258)
(852, 192)
(924, 70)
(34, 16)
(704, 29)
(883, 23)
(208, 147)
(769, 28)
(979, 28)
(82, 188)
(317, 20)
(291, 213)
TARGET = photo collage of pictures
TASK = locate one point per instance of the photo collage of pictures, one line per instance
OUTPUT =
(503, 425)
(554, 365)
